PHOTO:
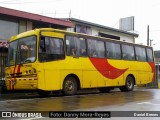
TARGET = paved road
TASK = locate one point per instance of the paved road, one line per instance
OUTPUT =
(138, 100)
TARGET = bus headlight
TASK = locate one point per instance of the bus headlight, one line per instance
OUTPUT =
(30, 71)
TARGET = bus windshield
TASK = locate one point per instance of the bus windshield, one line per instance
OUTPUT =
(22, 51)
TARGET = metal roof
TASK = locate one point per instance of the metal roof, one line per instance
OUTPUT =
(35, 17)
(102, 26)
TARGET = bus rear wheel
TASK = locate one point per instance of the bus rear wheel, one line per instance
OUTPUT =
(129, 85)
(69, 86)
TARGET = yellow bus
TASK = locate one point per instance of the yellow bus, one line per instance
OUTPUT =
(49, 60)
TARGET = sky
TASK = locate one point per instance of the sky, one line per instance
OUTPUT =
(104, 12)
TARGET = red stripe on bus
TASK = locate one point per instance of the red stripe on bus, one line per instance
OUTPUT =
(14, 69)
(106, 69)
(152, 65)
(19, 68)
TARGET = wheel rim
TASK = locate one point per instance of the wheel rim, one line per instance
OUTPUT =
(69, 86)
(129, 84)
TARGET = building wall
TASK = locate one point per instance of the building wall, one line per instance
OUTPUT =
(11, 27)
(123, 37)
(95, 32)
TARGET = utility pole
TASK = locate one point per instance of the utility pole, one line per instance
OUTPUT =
(148, 35)
(70, 14)
(151, 42)
(55, 14)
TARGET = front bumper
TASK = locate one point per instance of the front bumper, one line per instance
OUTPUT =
(21, 83)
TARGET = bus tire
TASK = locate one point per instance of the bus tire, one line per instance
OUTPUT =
(69, 86)
(43, 93)
(129, 85)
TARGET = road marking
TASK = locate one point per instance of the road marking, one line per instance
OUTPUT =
(149, 103)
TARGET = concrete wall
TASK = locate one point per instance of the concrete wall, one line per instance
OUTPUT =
(123, 37)
(96, 30)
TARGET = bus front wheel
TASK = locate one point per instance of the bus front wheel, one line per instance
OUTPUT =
(129, 85)
(69, 86)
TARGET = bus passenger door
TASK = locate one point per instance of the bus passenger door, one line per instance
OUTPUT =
(51, 53)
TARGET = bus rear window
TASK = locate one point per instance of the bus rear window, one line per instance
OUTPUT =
(149, 55)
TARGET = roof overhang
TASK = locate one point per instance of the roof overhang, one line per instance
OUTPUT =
(35, 17)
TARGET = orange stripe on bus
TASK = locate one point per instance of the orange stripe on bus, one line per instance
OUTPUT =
(103, 66)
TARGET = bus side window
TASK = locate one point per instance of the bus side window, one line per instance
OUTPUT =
(73, 51)
(140, 53)
(51, 49)
(94, 54)
(113, 50)
(83, 52)
(42, 45)
(91, 48)
(128, 52)
(71, 44)
(82, 47)
(149, 55)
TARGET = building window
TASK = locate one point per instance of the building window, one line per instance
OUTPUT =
(22, 26)
(109, 36)
(83, 29)
(29, 25)
(8, 29)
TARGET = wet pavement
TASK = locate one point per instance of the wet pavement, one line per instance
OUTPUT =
(138, 100)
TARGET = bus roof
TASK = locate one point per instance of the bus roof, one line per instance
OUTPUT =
(36, 32)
